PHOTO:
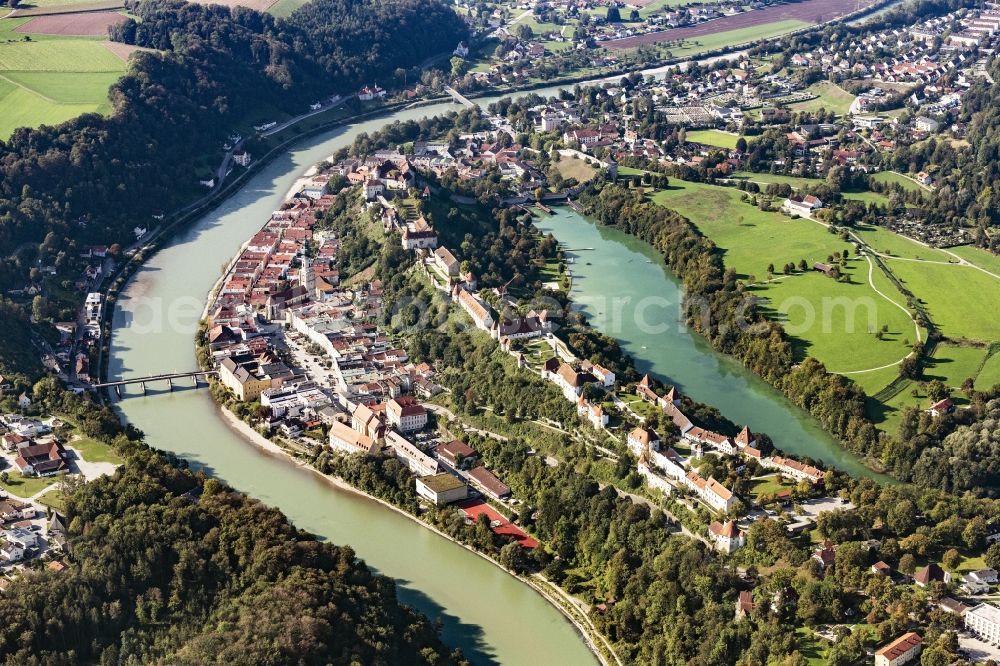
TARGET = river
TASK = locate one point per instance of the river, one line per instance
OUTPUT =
(623, 286)
(492, 616)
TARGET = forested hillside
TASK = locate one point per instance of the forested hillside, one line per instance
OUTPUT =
(166, 567)
(93, 179)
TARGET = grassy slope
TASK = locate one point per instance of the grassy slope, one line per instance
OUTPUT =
(795, 182)
(830, 96)
(817, 310)
(989, 376)
(899, 179)
(888, 242)
(50, 79)
(982, 258)
(954, 295)
(575, 168)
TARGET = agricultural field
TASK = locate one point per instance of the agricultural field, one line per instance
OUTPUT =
(89, 24)
(713, 137)
(46, 7)
(835, 322)
(710, 41)
(953, 364)
(899, 179)
(53, 78)
(283, 8)
(829, 96)
(753, 23)
(867, 197)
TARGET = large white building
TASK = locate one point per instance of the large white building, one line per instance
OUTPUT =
(984, 621)
(406, 414)
(416, 460)
(710, 491)
(346, 439)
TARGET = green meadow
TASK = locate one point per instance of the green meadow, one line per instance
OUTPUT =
(829, 96)
(713, 138)
(835, 322)
(898, 179)
(957, 297)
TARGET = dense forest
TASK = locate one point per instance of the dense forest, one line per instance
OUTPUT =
(164, 566)
(92, 179)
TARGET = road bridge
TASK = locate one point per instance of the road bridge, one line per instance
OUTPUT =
(167, 377)
(458, 97)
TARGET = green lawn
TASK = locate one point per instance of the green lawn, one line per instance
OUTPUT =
(889, 242)
(768, 485)
(830, 97)
(876, 380)
(832, 321)
(55, 499)
(978, 256)
(954, 295)
(94, 451)
(26, 486)
(795, 182)
(953, 365)
(811, 647)
(655, 7)
(868, 197)
(899, 179)
(713, 138)
(51, 79)
(989, 376)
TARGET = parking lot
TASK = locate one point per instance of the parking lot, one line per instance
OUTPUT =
(977, 650)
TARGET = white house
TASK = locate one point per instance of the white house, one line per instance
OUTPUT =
(416, 460)
(710, 491)
(475, 308)
(802, 206)
(653, 480)
(347, 440)
(640, 440)
(445, 262)
(727, 537)
(593, 413)
(794, 469)
(406, 414)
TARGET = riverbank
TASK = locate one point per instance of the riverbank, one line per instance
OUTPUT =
(257, 440)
